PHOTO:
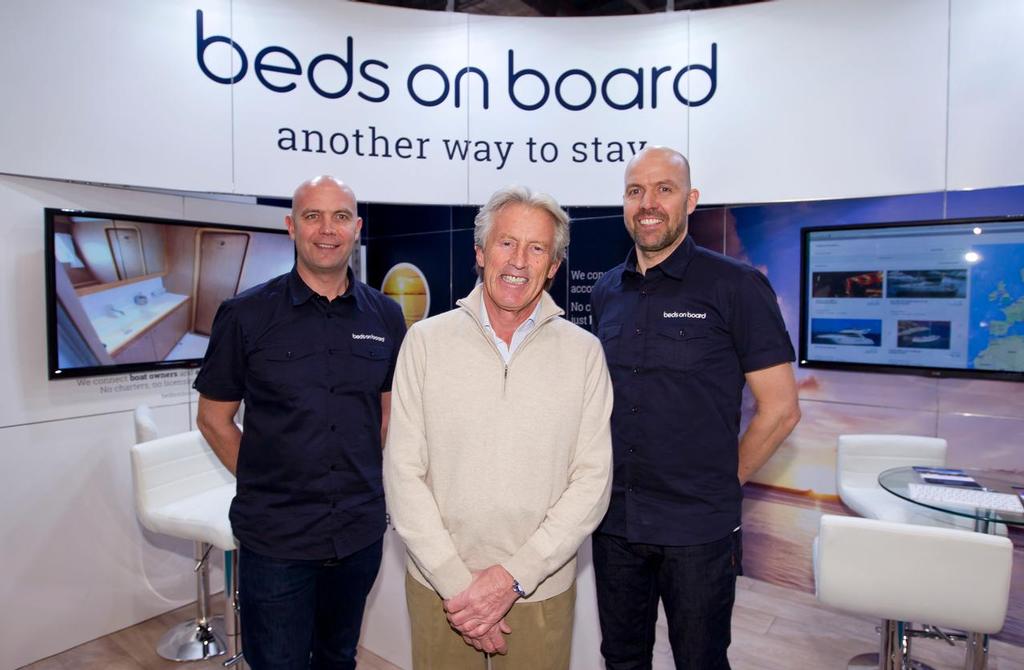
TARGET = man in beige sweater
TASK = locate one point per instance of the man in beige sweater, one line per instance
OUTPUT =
(498, 458)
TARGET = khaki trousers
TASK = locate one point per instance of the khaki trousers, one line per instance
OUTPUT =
(541, 637)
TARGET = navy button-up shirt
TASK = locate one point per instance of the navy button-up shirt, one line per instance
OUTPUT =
(311, 372)
(679, 341)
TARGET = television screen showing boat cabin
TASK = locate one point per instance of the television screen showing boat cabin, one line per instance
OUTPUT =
(128, 293)
(939, 298)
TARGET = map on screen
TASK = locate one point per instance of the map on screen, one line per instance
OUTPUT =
(933, 297)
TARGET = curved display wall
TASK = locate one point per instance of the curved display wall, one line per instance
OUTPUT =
(791, 100)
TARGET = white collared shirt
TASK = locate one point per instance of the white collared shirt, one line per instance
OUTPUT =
(506, 350)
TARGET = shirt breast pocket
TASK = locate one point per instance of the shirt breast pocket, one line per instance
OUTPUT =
(282, 370)
(611, 341)
(369, 363)
(681, 346)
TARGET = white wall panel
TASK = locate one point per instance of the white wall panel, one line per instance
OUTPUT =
(106, 93)
(986, 94)
(821, 100)
(77, 564)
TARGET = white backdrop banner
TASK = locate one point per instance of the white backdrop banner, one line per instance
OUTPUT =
(796, 99)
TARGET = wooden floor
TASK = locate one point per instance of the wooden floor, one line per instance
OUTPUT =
(135, 649)
(774, 628)
(777, 628)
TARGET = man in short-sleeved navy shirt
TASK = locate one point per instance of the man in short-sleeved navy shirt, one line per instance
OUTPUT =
(683, 329)
(312, 354)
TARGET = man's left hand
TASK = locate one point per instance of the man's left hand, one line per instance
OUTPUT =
(484, 602)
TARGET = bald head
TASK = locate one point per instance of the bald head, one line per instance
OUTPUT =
(666, 156)
(324, 182)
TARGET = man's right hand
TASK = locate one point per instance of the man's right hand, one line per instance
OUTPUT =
(483, 603)
(493, 641)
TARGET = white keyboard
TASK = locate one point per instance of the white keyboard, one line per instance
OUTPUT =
(1001, 502)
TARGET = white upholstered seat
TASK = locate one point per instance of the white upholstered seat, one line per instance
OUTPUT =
(861, 458)
(904, 572)
(183, 490)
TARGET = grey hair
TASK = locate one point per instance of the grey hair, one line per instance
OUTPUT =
(511, 195)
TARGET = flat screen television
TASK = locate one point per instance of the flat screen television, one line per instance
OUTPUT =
(126, 293)
(937, 298)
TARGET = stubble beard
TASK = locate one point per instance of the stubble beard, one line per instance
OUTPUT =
(667, 239)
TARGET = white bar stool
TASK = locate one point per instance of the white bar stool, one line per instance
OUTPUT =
(903, 572)
(183, 490)
(861, 458)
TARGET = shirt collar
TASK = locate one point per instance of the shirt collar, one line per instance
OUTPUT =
(471, 303)
(300, 291)
(674, 266)
(530, 322)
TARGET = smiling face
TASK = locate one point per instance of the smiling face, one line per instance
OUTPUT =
(325, 228)
(517, 260)
(656, 203)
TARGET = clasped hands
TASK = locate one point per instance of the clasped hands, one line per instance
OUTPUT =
(478, 612)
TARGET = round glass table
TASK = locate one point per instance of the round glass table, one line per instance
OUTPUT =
(897, 481)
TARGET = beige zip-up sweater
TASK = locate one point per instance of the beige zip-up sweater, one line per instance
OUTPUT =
(491, 464)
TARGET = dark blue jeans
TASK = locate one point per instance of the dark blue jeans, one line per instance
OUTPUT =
(298, 615)
(697, 585)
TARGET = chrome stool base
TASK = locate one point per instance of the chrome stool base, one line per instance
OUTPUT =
(190, 641)
(203, 636)
(893, 649)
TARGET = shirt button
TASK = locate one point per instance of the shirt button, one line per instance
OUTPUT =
(644, 293)
(629, 489)
(639, 331)
(681, 332)
(334, 427)
(631, 450)
(636, 371)
(331, 390)
(634, 409)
